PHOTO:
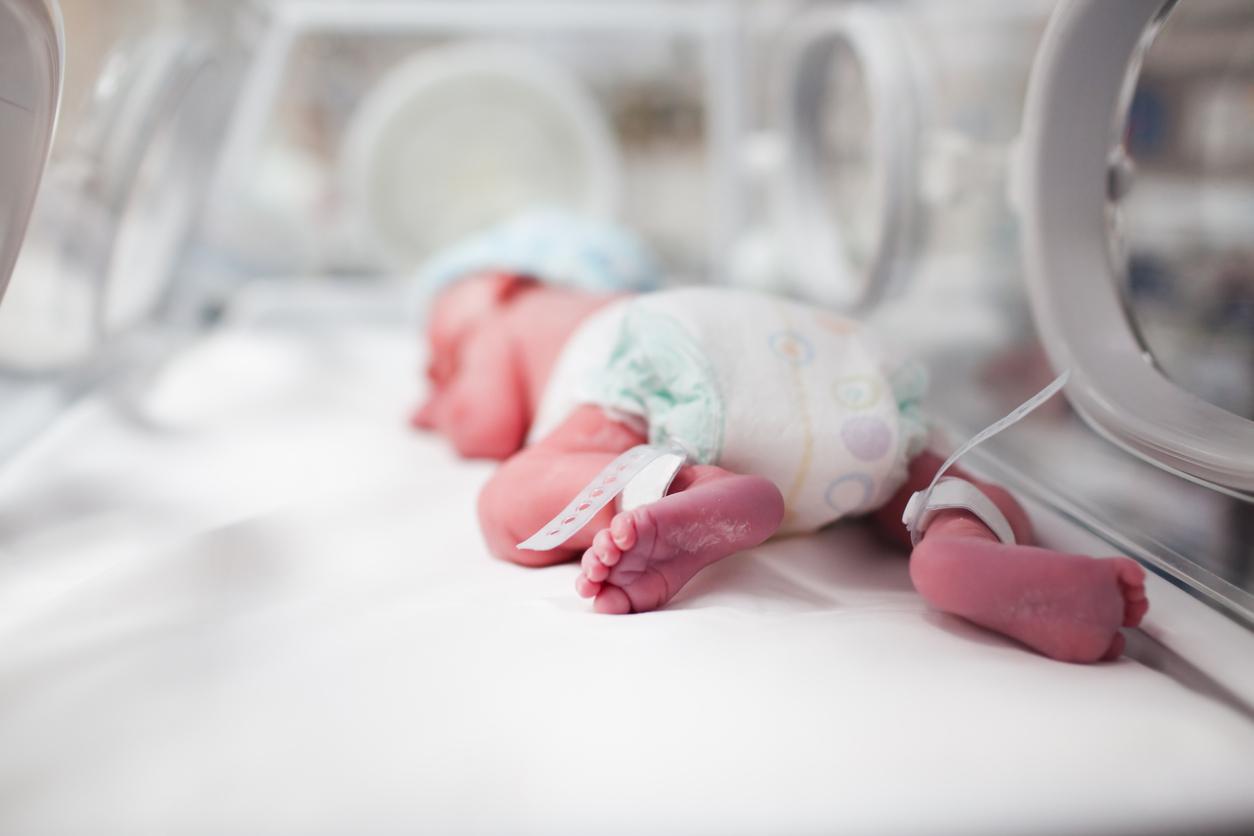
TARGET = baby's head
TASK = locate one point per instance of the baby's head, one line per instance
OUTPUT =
(458, 316)
(476, 398)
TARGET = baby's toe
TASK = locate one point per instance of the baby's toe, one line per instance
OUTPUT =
(593, 569)
(605, 548)
(1132, 585)
(623, 530)
(1130, 573)
(612, 601)
(1134, 609)
(586, 588)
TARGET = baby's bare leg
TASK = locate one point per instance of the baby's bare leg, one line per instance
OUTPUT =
(536, 483)
(644, 556)
(1068, 607)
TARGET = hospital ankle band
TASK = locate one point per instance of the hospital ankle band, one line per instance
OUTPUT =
(642, 475)
(952, 492)
(922, 506)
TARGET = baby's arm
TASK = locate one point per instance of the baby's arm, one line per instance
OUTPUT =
(536, 483)
(1066, 606)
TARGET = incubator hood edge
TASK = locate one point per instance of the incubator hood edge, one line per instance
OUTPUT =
(32, 64)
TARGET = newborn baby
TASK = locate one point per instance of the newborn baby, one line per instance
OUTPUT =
(790, 417)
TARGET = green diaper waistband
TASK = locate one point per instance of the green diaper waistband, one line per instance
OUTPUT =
(657, 370)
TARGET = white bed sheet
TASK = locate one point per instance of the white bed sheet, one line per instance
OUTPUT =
(259, 604)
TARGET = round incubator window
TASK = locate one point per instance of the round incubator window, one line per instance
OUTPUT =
(173, 99)
(1182, 199)
(847, 159)
(467, 134)
(850, 117)
(1088, 172)
(31, 64)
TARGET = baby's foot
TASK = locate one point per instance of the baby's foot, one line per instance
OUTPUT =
(647, 554)
(1082, 623)
(1068, 607)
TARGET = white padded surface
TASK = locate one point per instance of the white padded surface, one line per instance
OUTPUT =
(270, 612)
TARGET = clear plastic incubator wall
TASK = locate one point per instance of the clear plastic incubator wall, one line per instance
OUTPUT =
(1011, 189)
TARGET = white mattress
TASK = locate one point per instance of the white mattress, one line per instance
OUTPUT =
(256, 603)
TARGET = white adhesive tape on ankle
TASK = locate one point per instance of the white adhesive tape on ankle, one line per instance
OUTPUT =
(604, 488)
(922, 501)
(952, 492)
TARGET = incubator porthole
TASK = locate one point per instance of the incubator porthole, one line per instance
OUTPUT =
(851, 123)
(31, 65)
(847, 162)
(1182, 183)
(466, 135)
(1135, 183)
(162, 150)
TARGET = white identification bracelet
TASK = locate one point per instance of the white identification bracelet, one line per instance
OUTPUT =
(642, 475)
(950, 492)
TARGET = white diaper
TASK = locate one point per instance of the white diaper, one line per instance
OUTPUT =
(755, 384)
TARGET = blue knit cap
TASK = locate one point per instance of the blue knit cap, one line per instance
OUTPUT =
(553, 246)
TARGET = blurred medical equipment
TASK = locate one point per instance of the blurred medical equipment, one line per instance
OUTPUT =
(475, 111)
(206, 327)
(900, 121)
(472, 122)
(30, 91)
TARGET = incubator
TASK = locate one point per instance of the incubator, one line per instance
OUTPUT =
(900, 121)
(32, 87)
(210, 312)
